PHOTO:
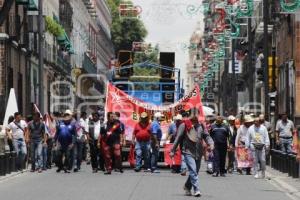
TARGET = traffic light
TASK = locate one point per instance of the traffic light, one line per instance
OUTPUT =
(270, 71)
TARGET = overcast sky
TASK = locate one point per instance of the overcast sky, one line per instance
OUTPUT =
(170, 24)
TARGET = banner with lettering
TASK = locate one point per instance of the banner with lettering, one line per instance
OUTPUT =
(130, 108)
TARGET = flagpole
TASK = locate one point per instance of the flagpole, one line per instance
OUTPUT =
(106, 98)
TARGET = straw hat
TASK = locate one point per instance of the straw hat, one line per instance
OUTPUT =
(248, 119)
(231, 118)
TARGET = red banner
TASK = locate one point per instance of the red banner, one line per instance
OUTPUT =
(130, 108)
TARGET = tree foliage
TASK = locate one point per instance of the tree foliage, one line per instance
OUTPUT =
(124, 30)
(150, 55)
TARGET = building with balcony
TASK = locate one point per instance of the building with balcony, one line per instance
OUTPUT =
(93, 47)
(15, 55)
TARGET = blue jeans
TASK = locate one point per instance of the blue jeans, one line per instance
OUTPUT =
(21, 150)
(154, 157)
(45, 156)
(183, 164)
(77, 154)
(36, 148)
(193, 167)
(142, 150)
(286, 145)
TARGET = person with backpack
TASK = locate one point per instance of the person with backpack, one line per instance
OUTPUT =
(38, 139)
(141, 139)
(18, 134)
(190, 134)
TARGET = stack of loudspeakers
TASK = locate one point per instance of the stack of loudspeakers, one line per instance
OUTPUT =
(167, 59)
(125, 59)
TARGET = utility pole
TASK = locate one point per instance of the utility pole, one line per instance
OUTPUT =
(41, 56)
(234, 92)
(251, 67)
(266, 55)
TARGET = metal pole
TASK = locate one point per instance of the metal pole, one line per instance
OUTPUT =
(266, 55)
(41, 56)
(234, 95)
(251, 67)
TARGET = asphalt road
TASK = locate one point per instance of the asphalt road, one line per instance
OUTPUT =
(132, 186)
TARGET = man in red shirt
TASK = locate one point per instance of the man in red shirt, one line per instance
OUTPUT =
(141, 138)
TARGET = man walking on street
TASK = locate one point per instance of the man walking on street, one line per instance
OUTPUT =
(141, 139)
(156, 135)
(122, 138)
(284, 134)
(232, 136)
(65, 139)
(240, 142)
(220, 135)
(97, 159)
(38, 139)
(258, 141)
(190, 135)
(18, 134)
(109, 140)
(81, 130)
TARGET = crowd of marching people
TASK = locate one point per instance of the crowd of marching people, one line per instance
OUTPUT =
(233, 144)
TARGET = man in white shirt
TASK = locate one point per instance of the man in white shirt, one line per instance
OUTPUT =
(284, 133)
(18, 134)
(81, 130)
(97, 160)
(240, 141)
(258, 141)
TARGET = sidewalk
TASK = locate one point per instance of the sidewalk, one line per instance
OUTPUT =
(283, 181)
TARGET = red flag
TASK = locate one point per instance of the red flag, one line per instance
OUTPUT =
(172, 161)
(130, 107)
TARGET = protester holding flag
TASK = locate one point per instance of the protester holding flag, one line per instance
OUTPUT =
(65, 139)
(141, 139)
(97, 159)
(18, 134)
(110, 138)
(190, 134)
(37, 138)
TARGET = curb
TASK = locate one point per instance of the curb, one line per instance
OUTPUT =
(12, 175)
(283, 186)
